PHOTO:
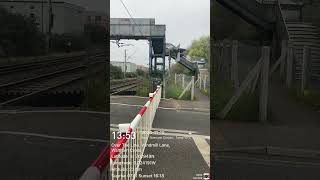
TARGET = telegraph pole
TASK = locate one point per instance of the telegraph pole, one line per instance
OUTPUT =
(50, 24)
(125, 63)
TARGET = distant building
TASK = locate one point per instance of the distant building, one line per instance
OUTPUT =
(96, 18)
(67, 18)
(131, 67)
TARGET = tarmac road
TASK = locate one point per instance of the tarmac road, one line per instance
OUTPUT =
(49, 145)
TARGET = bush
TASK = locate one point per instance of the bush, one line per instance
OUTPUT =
(115, 72)
(60, 42)
(19, 35)
(95, 33)
(131, 75)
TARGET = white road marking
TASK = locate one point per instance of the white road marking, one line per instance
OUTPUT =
(266, 161)
(202, 110)
(203, 147)
(120, 96)
(45, 111)
(51, 137)
(164, 133)
(165, 130)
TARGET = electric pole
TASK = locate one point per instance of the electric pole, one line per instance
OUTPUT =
(125, 63)
(50, 25)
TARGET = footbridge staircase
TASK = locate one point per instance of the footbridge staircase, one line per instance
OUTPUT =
(179, 55)
(284, 19)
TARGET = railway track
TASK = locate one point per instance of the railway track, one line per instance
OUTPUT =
(5, 69)
(26, 88)
(123, 85)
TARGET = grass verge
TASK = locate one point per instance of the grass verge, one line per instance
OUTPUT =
(245, 109)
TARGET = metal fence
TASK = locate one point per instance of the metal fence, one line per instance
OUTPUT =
(182, 80)
(126, 153)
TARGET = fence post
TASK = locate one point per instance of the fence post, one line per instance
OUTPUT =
(305, 69)
(289, 66)
(234, 64)
(264, 87)
(164, 88)
(182, 80)
(283, 52)
(175, 78)
(205, 82)
(192, 88)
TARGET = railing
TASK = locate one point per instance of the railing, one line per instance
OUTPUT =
(126, 153)
(283, 32)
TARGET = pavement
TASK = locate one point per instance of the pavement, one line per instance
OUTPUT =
(287, 147)
(46, 144)
(183, 143)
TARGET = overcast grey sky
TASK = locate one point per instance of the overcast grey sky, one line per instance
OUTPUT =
(185, 21)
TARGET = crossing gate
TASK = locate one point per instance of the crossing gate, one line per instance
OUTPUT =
(124, 156)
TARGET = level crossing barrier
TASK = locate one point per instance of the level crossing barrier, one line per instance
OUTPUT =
(124, 156)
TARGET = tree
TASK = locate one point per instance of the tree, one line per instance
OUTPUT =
(200, 48)
(140, 72)
(179, 69)
(19, 35)
(115, 72)
(95, 33)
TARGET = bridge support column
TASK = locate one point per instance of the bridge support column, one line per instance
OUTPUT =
(150, 66)
(283, 54)
(305, 74)
(264, 87)
(289, 67)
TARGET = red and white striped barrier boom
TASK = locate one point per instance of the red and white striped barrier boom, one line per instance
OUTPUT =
(126, 153)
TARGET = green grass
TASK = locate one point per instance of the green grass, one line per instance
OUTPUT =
(173, 91)
(205, 92)
(143, 88)
(245, 109)
(309, 97)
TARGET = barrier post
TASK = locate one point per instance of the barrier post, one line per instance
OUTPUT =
(182, 80)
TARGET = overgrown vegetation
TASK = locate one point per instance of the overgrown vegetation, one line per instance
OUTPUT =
(96, 86)
(143, 88)
(180, 69)
(173, 91)
(311, 97)
(200, 48)
(115, 72)
(95, 33)
(19, 35)
(246, 108)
